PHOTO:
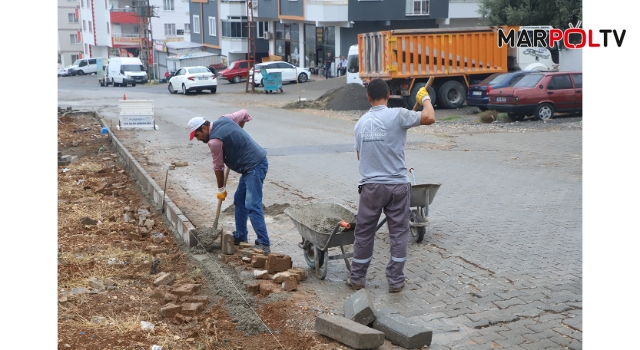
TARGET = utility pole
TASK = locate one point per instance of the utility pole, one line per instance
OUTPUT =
(145, 12)
(251, 42)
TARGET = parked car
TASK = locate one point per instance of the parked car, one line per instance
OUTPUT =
(193, 78)
(84, 66)
(478, 92)
(64, 72)
(288, 70)
(540, 95)
(235, 72)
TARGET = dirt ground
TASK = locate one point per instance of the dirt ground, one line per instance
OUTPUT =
(113, 247)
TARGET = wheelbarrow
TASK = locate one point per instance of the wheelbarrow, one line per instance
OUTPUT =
(323, 226)
(421, 196)
(271, 81)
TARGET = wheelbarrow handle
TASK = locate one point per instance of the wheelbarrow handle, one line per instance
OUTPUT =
(413, 175)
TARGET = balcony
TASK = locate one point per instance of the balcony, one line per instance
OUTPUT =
(326, 10)
(124, 16)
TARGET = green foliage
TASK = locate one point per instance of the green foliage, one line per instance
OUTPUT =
(503, 117)
(557, 13)
(451, 118)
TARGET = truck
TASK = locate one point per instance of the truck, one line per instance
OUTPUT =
(455, 57)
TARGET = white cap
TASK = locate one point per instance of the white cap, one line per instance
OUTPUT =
(193, 124)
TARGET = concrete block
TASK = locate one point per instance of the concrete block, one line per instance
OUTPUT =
(268, 287)
(158, 292)
(244, 245)
(349, 332)
(170, 298)
(227, 244)
(359, 308)
(402, 333)
(278, 263)
(253, 287)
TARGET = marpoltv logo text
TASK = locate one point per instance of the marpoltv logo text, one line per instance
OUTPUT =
(549, 38)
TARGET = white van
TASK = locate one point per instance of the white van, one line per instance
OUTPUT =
(353, 75)
(126, 70)
(84, 66)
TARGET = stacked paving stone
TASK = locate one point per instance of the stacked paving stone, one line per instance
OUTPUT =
(362, 327)
(180, 303)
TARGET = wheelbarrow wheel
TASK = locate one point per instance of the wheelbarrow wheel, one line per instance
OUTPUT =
(418, 217)
(310, 255)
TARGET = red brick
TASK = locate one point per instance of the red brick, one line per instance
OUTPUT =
(195, 299)
(191, 309)
(268, 287)
(186, 289)
(158, 292)
(170, 310)
(170, 298)
(290, 284)
(259, 261)
(278, 263)
(164, 278)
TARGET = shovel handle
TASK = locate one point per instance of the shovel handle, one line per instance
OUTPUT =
(429, 82)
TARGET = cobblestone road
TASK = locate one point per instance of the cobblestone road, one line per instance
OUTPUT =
(500, 266)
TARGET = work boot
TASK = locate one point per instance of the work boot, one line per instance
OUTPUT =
(396, 289)
(265, 248)
(237, 242)
(353, 285)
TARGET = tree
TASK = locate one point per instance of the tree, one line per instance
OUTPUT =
(557, 13)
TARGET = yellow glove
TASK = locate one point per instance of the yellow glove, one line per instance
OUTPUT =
(422, 95)
(222, 193)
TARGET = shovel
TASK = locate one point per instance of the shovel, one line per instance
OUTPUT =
(214, 230)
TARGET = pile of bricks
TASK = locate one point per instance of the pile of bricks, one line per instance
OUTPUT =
(273, 272)
(363, 327)
(180, 303)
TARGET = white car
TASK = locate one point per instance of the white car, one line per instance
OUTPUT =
(193, 78)
(288, 70)
(64, 72)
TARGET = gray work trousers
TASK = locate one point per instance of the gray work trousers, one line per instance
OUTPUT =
(394, 200)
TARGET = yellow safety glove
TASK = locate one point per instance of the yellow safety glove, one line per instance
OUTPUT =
(222, 193)
(422, 95)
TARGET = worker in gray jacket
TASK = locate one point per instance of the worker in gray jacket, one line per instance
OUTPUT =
(380, 137)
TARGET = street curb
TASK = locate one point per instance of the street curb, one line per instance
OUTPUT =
(183, 228)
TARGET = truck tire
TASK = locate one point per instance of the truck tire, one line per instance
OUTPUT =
(414, 91)
(451, 95)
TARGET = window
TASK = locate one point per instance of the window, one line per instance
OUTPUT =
(84, 25)
(263, 27)
(417, 7)
(74, 58)
(92, 61)
(168, 5)
(135, 29)
(90, 27)
(577, 79)
(560, 82)
(106, 5)
(82, 3)
(59, 58)
(234, 29)
(72, 18)
(212, 26)
(73, 39)
(108, 27)
(169, 29)
(196, 24)
(187, 27)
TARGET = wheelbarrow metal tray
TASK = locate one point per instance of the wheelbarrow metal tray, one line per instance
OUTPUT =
(422, 193)
(315, 222)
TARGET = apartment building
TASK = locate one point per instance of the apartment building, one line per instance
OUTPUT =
(303, 32)
(69, 36)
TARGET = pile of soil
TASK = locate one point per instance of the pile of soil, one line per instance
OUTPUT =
(109, 263)
(350, 97)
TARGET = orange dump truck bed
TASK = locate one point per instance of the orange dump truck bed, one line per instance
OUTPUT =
(406, 57)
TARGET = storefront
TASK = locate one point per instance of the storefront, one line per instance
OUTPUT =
(317, 42)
